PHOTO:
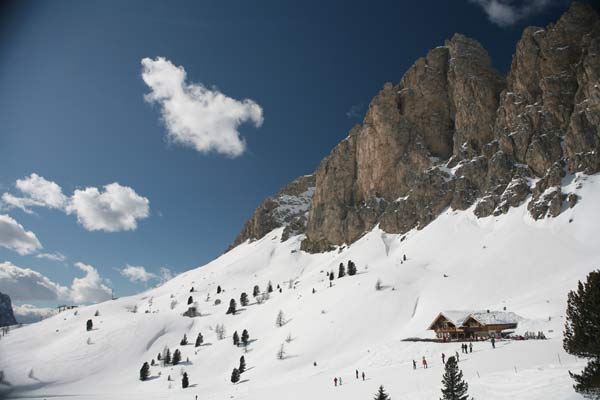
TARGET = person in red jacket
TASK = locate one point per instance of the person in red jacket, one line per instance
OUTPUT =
(424, 362)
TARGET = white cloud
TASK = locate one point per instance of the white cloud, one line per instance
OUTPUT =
(508, 12)
(194, 115)
(90, 288)
(14, 237)
(25, 284)
(28, 314)
(137, 273)
(117, 208)
(38, 192)
(57, 256)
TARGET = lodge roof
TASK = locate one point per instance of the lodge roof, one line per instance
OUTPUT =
(485, 317)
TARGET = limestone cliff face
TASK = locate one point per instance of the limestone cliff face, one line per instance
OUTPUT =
(455, 133)
(6, 312)
(288, 208)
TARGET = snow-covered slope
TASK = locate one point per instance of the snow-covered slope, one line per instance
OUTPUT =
(510, 261)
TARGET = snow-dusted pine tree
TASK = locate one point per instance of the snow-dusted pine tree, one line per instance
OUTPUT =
(144, 372)
(381, 394)
(454, 387)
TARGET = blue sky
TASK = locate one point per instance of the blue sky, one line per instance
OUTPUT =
(72, 110)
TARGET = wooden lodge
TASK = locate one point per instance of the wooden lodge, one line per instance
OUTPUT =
(475, 325)
(65, 308)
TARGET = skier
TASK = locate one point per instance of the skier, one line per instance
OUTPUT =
(363, 375)
(335, 381)
(443, 359)
(356, 374)
(493, 342)
(457, 357)
(470, 347)
(340, 380)
(424, 362)
(414, 364)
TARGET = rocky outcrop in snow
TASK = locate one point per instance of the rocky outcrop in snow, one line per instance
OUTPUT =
(6, 312)
(455, 133)
(288, 208)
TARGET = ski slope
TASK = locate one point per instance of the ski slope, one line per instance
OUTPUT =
(509, 261)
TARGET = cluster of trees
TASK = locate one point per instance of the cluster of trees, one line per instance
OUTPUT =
(236, 373)
(343, 271)
(244, 339)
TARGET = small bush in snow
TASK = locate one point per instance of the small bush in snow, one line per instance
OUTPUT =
(220, 331)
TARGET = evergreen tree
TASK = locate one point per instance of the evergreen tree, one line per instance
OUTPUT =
(97, 313)
(244, 299)
(381, 394)
(152, 362)
(245, 337)
(199, 340)
(185, 382)
(232, 307)
(280, 320)
(218, 289)
(255, 291)
(192, 290)
(89, 325)
(158, 357)
(184, 340)
(581, 335)
(454, 387)
(176, 357)
(167, 355)
(342, 271)
(281, 352)
(351, 268)
(236, 339)
(235, 376)
(144, 372)
(190, 300)
(331, 276)
(242, 367)
(270, 287)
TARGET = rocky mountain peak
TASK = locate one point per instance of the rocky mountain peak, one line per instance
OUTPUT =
(456, 133)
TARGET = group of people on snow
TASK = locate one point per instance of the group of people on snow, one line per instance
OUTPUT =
(337, 381)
